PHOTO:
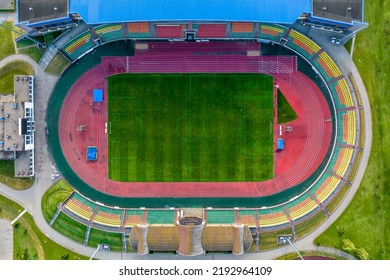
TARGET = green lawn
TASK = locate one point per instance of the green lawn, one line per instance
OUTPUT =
(7, 46)
(54, 196)
(70, 228)
(198, 127)
(366, 221)
(50, 37)
(24, 43)
(7, 176)
(113, 238)
(285, 112)
(33, 52)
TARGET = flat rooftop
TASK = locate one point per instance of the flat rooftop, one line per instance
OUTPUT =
(42, 10)
(340, 10)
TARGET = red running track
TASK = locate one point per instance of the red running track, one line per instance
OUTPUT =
(306, 145)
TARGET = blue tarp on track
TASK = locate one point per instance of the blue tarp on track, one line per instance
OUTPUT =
(92, 153)
(106, 11)
(97, 95)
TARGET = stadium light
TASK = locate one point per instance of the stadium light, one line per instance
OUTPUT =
(99, 246)
(292, 245)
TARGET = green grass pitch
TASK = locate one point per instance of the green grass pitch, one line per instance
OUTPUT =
(190, 127)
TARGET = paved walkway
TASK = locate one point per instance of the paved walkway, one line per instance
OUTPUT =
(6, 240)
(31, 198)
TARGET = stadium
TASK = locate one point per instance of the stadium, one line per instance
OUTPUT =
(168, 126)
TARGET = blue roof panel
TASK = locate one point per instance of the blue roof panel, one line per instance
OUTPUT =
(97, 95)
(92, 153)
(105, 11)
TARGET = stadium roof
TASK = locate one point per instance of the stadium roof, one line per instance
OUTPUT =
(106, 11)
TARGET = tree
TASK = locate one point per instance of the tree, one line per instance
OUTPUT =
(348, 246)
(362, 254)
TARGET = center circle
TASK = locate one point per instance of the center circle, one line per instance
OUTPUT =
(190, 127)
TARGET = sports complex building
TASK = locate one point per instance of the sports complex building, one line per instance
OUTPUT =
(166, 121)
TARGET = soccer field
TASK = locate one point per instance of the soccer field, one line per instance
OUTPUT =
(190, 127)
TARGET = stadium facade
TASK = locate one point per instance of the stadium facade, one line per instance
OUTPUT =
(343, 17)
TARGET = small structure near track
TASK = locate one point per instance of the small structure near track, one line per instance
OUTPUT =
(92, 153)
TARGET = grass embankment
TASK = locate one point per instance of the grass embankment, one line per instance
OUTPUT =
(53, 196)
(366, 223)
(27, 46)
(50, 37)
(34, 52)
(29, 242)
(63, 224)
(7, 46)
(285, 112)
(57, 65)
(309, 255)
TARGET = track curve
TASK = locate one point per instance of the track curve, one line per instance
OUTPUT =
(304, 95)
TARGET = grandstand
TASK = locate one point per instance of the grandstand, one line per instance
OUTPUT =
(109, 32)
(303, 44)
(138, 30)
(79, 45)
(161, 44)
(273, 217)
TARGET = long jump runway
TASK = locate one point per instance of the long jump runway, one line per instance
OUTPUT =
(306, 145)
